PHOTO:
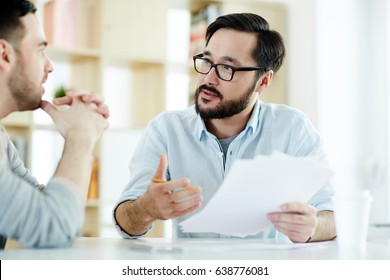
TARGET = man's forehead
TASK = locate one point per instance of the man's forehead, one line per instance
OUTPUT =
(33, 29)
(230, 45)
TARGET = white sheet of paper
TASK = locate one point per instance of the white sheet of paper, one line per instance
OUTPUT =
(254, 188)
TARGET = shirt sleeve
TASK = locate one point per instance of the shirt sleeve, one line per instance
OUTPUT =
(309, 143)
(142, 168)
(50, 217)
(15, 162)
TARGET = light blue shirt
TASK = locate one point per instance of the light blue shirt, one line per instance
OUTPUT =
(196, 154)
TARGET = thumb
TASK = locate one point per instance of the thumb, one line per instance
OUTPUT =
(48, 108)
(162, 168)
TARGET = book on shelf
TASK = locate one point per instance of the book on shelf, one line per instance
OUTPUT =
(199, 23)
(60, 22)
(71, 23)
(93, 192)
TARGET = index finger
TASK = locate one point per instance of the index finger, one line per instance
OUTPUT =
(65, 100)
(92, 97)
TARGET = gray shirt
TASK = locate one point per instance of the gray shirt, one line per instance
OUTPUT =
(35, 216)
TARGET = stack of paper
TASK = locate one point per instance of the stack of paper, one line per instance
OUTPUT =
(254, 188)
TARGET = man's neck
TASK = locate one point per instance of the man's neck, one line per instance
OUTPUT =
(7, 103)
(5, 110)
(228, 127)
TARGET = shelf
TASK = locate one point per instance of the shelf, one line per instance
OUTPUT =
(130, 60)
(128, 53)
(18, 119)
(67, 54)
(248, 5)
(120, 61)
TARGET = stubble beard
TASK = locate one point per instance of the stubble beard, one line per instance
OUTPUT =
(24, 92)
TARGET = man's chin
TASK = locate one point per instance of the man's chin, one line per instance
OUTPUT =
(32, 106)
(207, 114)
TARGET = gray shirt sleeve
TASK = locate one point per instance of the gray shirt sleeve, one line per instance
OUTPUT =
(17, 165)
(50, 217)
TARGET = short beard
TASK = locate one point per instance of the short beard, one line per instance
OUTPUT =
(23, 91)
(225, 109)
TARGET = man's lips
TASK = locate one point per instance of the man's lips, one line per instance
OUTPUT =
(209, 93)
(43, 82)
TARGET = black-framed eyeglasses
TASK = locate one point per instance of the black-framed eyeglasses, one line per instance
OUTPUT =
(224, 71)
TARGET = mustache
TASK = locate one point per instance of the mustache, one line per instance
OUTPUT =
(209, 89)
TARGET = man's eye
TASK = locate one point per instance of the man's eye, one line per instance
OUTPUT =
(207, 62)
(227, 68)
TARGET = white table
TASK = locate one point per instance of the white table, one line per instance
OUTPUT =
(198, 249)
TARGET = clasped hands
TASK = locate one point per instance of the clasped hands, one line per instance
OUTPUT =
(85, 117)
(89, 98)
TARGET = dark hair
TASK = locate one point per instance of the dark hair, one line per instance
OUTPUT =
(11, 28)
(270, 50)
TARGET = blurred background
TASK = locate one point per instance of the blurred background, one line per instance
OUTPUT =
(138, 55)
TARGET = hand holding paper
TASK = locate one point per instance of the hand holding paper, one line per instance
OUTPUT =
(254, 188)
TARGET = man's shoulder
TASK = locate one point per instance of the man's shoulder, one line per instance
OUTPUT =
(178, 115)
(279, 110)
(181, 123)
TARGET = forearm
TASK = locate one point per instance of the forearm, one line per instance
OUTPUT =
(326, 229)
(81, 126)
(76, 164)
(133, 217)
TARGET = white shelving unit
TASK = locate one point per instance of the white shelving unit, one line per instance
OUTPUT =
(136, 54)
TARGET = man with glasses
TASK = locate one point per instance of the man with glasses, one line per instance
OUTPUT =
(228, 122)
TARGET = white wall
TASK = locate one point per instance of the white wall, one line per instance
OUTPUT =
(338, 71)
(339, 76)
(301, 57)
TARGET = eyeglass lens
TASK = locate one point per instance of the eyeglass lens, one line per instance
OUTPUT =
(204, 66)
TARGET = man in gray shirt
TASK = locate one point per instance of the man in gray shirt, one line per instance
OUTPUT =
(34, 214)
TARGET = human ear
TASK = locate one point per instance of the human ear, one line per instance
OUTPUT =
(265, 80)
(6, 54)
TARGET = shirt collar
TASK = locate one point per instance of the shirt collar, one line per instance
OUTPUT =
(200, 127)
(254, 120)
